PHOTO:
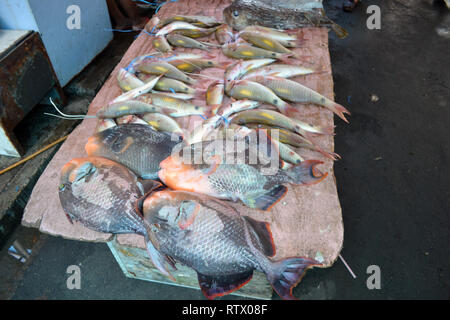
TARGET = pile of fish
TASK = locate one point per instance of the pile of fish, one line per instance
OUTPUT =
(186, 216)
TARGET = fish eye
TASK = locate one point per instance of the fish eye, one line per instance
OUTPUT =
(235, 13)
(62, 186)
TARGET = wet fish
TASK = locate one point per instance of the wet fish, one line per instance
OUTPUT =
(279, 15)
(273, 118)
(286, 39)
(124, 108)
(193, 65)
(130, 119)
(264, 42)
(179, 107)
(169, 84)
(237, 106)
(235, 171)
(178, 40)
(162, 122)
(104, 124)
(177, 95)
(101, 194)
(200, 21)
(224, 34)
(128, 81)
(296, 92)
(179, 25)
(244, 51)
(166, 69)
(196, 33)
(240, 68)
(245, 89)
(222, 246)
(134, 93)
(136, 146)
(214, 95)
(279, 70)
(160, 43)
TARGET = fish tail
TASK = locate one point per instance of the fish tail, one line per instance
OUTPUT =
(285, 57)
(158, 260)
(305, 173)
(339, 110)
(287, 273)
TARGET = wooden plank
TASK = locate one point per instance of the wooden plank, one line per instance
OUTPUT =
(307, 222)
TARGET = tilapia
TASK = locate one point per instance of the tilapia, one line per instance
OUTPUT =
(137, 146)
(101, 195)
(290, 14)
(234, 170)
(222, 246)
(166, 69)
(296, 92)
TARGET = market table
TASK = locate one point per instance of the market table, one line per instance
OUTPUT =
(306, 222)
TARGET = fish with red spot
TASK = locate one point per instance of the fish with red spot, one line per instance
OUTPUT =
(222, 246)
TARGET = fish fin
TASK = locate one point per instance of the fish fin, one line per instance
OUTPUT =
(305, 173)
(287, 273)
(158, 260)
(217, 286)
(264, 234)
(267, 200)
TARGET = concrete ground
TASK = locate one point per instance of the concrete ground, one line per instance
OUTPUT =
(393, 181)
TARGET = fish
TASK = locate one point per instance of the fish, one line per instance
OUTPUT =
(296, 92)
(134, 93)
(293, 139)
(104, 124)
(128, 81)
(182, 107)
(264, 42)
(196, 33)
(136, 146)
(200, 21)
(214, 95)
(284, 38)
(244, 51)
(166, 69)
(132, 107)
(193, 65)
(101, 194)
(279, 70)
(237, 106)
(280, 15)
(130, 119)
(160, 43)
(237, 170)
(276, 119)
(245, 89)
(239, 68)
(168, 84)
(177, 95)
(179, 25)
(178, 40)
(204, 130)
(222, 246)
(161, 122)
(224, 34)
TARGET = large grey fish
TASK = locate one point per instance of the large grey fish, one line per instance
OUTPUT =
(248, 170)
(222, 246)
(286, 14)
(101, 195)
(137, 146)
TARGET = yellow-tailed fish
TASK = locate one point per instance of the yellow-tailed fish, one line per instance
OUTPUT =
(237, 106)
(200, 21)
(295, 92)
(136, 92)
(160, 43)
(193, 65)
(170, 85)
(284, 38)
(128, 81)
(196, 33)
(264, 42)
(161, 122)
(245, 89)
(244, 51)
(164, 68)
